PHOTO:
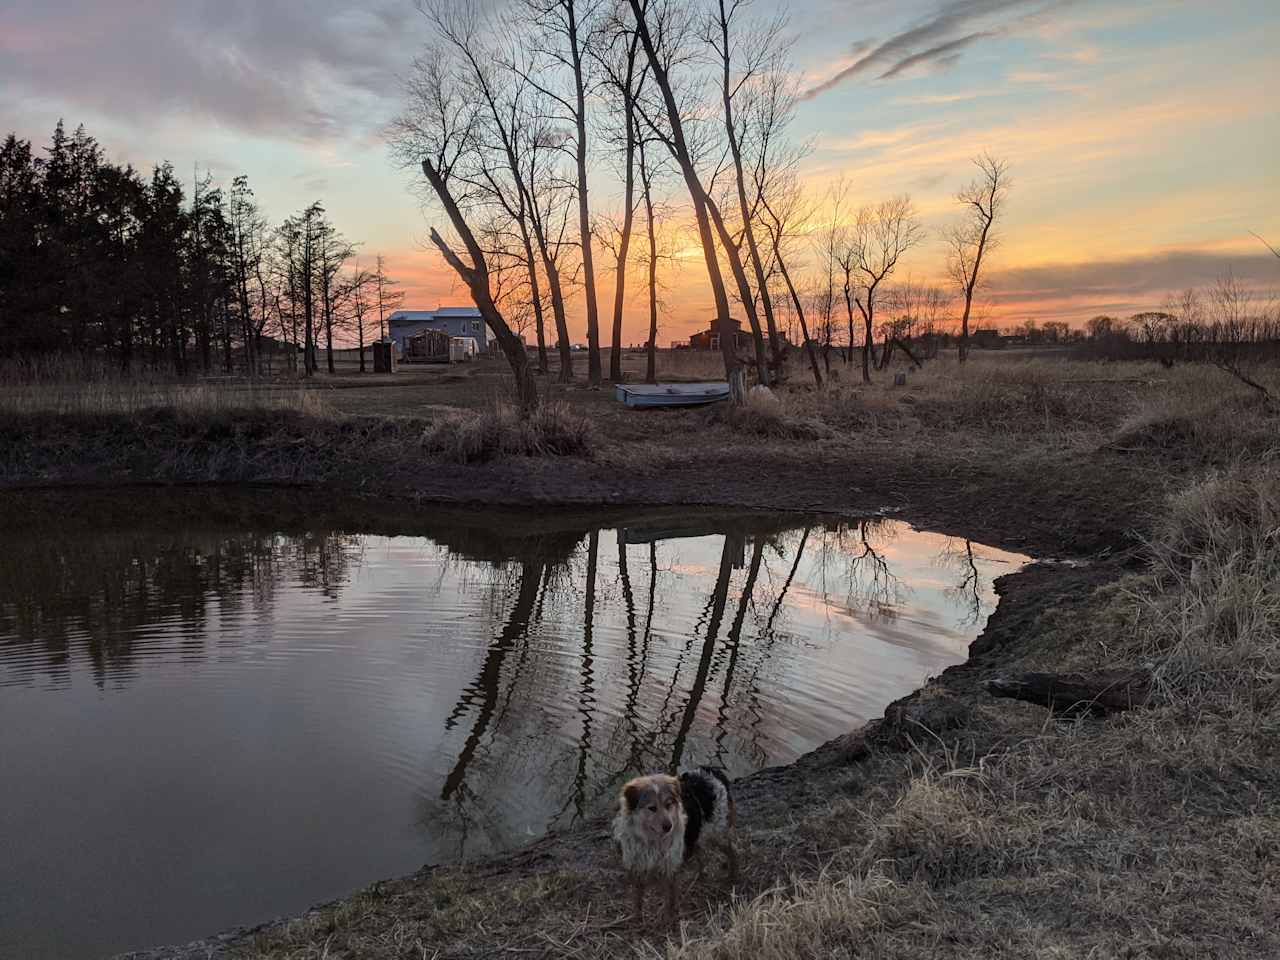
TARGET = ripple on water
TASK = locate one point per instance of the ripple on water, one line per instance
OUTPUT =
(202, 729)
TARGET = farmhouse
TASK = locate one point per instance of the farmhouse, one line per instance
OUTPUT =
(709, 339)
(455, 321)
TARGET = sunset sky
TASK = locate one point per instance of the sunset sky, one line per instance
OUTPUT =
(1142, 137)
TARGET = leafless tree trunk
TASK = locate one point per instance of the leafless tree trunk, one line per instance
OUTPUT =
(567, 25)
(651, 346)
(755, 48)
(974, 236)
(334, 252)
(828, 243)
(679, 148)
(624, 76)
(356, 292)
(881, 235)
(745, 294)
(388, 298)
(781, 212)
(476, 276)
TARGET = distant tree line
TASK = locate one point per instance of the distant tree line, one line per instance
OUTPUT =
(98, 261)
(1227, 324)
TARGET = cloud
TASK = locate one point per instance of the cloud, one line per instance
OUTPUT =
(1130, 279)
(944, 54)
(293, 69)
(938, 39)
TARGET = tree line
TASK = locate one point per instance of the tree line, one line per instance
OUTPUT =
(508, 111)
(99, 261)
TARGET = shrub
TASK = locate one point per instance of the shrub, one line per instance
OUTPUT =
(552, 430)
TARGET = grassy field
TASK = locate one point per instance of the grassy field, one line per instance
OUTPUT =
(957, 826)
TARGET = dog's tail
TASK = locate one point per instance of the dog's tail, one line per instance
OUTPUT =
(720, 774)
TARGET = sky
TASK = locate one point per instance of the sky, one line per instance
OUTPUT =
(1141, 136)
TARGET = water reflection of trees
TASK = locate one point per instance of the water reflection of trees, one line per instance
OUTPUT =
(653, 721)
(100, 598)
(587, 716)
(966, 591)
(853, 563)
(587, 670)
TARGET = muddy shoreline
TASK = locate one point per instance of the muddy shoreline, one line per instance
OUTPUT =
(765, 796)
(945, 703)
(1072, 504)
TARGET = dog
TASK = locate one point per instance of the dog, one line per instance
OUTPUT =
(663, 822)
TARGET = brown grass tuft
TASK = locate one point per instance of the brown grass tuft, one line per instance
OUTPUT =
(553, 430)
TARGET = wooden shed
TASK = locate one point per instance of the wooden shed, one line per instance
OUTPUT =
(426, 346)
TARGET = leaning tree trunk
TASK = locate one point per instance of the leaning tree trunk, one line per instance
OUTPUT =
(744, 290)
(476, 277)
(737, 389)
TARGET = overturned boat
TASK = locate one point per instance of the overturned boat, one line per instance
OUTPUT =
(671, 394)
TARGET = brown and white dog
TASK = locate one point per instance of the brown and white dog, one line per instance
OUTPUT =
(663, 821)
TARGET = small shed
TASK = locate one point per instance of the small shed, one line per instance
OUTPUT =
(428, 346)
(462, 349)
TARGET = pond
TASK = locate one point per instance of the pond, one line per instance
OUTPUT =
(215, 718)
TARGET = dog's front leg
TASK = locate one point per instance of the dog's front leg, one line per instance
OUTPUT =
(672, 884)
(637, 898)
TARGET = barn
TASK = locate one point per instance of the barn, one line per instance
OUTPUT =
(455, 321)
(709, 339)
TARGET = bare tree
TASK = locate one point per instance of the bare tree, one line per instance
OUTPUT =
(828, 241)
(249, 244)
(920, 313)
(334, 250)
(565, 28)
(617, 52)
(388, 298)
(782, 212)
(745, 57)
(881, 234)
(974, 235)
(662, 53)
(358, 295)
(444, 127)
(511, 165)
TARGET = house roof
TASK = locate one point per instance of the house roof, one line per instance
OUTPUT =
(441, 313)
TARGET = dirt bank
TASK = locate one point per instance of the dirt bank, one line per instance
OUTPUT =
(957, 825)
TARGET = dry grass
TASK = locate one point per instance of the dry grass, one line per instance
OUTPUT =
(134, 397)
(1154, 833)
(71, 386)
(767, 415)
(553, 430)
(693, 365)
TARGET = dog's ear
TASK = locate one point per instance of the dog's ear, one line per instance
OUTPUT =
(631, 795)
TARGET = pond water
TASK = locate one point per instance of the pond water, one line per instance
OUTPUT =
(209, 725)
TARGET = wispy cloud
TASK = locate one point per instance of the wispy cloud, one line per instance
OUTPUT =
(939, 39)
(943, 53)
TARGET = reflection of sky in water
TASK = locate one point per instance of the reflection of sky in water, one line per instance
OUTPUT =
(201, 730)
